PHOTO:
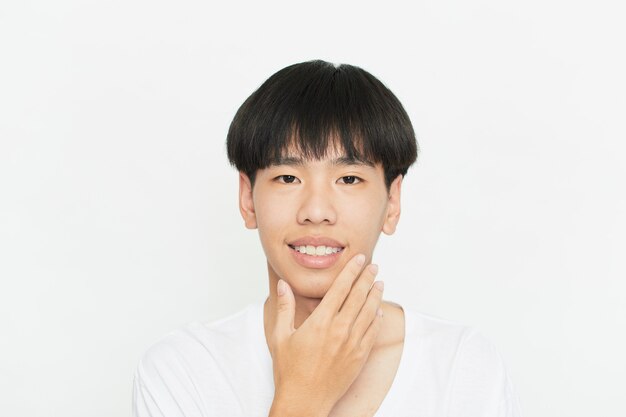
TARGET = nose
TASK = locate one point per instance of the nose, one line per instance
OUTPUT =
(317, 206)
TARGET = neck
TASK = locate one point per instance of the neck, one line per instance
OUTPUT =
(391, 333)
(304, 305)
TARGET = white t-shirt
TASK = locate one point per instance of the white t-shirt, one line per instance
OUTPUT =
(224, 369)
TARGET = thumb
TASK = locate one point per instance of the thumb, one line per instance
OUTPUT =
(285, 309)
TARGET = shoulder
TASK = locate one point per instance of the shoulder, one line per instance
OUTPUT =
(471, 371)
(434, 334)
(197, 341)
(175, 372)
(464, 347)
(481, 384)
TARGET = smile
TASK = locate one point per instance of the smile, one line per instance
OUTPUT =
(316, 250)
(316, 253)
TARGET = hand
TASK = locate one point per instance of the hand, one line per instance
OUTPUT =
(315, 365)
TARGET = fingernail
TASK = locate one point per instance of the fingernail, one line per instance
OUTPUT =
(379, 312)
(380, 285)
(281, 287)
(360, 259)
(373, 268)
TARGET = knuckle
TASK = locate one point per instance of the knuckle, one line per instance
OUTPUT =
(366, 340)
(341, 327)
(359, 293)
(356, 328)
(346, 287)
(361, 282)
(341, 289)
(318, 326)
(372, 300)
(363, 291)
(348, 305)
(353, 343)
(360, 353)
(275, 341)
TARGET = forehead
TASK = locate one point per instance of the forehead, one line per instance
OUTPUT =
(334, 155)
(338, 160)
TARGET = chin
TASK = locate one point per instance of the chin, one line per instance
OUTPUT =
(313, 284)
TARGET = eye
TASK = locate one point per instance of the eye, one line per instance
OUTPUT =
(286, 179)
(351, 179)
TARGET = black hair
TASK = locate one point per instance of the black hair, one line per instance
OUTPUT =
(314, 106)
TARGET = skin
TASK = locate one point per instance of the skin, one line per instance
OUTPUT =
(347, 202)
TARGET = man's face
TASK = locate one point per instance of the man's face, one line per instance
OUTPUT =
(315, 215)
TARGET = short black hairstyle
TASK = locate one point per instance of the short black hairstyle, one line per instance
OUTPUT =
(315, 105)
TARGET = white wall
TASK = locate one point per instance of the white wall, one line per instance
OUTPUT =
(118, 212)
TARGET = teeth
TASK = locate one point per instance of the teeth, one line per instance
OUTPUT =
(317, 250)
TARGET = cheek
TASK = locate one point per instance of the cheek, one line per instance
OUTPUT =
(365, 224)
(272, 221)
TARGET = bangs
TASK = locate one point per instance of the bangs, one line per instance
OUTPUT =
(313, 145)
(316, 108)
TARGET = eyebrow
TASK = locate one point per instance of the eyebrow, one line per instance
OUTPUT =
(340, 161)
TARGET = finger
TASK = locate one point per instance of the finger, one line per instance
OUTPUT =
(285, 310)
(338, 291)
(368, 313)
(367, 342)
(358, 294)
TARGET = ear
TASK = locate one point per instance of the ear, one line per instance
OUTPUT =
(246, 203)
(393, 207)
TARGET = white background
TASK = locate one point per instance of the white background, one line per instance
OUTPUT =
(118, 209)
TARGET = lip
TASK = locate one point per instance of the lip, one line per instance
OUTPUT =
(316, 241)
(315, 262)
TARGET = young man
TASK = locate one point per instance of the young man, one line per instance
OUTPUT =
(321, 152)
